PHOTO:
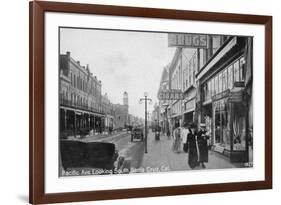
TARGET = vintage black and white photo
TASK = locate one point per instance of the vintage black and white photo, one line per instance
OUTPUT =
(145, 102)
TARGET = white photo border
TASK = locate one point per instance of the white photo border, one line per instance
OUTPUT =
(54, 184)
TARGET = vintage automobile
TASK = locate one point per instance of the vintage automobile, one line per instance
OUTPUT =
(137, 133)
(80, 154)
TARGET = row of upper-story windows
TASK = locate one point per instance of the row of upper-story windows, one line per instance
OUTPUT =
(225, 79)
(76, 100)
(82, 84)
(199, 59)
(78, 82)
(73, 99)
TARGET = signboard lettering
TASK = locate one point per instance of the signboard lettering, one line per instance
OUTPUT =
(172, 94)
(187, 40)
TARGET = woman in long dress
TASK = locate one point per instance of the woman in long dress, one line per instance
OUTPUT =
(177, 140)
(184, 133)
(203, 145)
(192, 147)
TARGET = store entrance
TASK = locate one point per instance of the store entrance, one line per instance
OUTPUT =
(188, 118)
(207, 120)
(221, 127)
(221, 124)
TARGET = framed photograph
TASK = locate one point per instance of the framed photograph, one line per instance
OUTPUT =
(139, 102)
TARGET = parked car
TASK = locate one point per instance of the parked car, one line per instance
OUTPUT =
(137, 133)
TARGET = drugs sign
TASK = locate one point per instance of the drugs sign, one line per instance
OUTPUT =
(170, 95)
(187, 40)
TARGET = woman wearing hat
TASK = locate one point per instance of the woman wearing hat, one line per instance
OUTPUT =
(192, 146)
(177, 139)
(202, 139)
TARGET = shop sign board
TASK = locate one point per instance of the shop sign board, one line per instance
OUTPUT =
(187, 40)
(172, 94)
(189, 106)
(239, 84)
(221, 95)
(236, 97)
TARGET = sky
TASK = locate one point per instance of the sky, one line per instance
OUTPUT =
(123, 61)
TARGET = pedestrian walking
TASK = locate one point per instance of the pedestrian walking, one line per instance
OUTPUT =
(202, 140)
(192, 146)
(110, 130)
(177, 139)
(184, 132)
(168, 133)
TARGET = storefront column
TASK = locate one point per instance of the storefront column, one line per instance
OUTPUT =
(198, 59)
(85, 120)
(197, 111)
(231, 126)
(94, 123)
(65, 119)
(90, 121)
(247, 128)
(62, 120)
(74, 124)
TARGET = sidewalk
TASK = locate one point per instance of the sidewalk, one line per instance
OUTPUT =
(161, 157)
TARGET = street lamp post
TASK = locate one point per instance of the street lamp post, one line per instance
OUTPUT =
(145, 99)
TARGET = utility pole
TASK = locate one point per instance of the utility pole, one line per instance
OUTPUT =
(145, 99)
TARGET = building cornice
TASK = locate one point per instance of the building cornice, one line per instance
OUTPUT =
(216, 57)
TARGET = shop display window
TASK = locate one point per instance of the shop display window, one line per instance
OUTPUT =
(209, 90)
(242, 70)
(230, 77)
(222, 79)
(236, 71)
(225, 85)
(212, 87)
(216, 85)
(239, 127)
(220, 83)
(221, 123)
(225, 79)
